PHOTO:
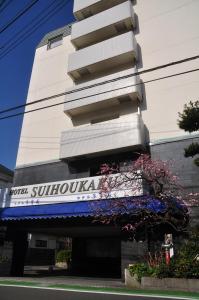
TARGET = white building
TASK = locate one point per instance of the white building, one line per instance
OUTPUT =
(106, 114)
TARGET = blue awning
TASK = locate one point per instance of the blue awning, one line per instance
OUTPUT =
(130, 205)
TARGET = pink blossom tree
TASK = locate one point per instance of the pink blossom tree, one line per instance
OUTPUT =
(152, 196)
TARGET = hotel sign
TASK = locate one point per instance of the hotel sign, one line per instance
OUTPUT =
(84, 189)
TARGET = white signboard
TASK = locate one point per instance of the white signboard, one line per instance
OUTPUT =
(84, 189)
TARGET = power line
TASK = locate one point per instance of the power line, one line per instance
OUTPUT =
(19, 15)
(2, 2)
(30, 23)
(5, 6)
(61, 103)
(31, 31)
(38, 24)
(103, 82)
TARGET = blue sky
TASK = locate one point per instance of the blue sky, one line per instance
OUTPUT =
(16, 66)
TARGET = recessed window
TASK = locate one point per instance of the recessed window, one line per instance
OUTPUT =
(84, 72)
(55, 42)
(87, 14)
(104, 119)
(121, 27)
(41, 243)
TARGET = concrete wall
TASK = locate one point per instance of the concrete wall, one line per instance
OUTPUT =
(92, 6)
(78, 4)
(132, 252)
(102, 25)
(61, 170)
(94, 57)
(104, 91)
(184, 168)
(171, 284)
(41, 130)
(102, 137)
(179, 284)
(167, 31)
(6, 177)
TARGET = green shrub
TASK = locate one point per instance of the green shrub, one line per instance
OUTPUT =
(63, 256)
(164, 271)
(183, 265)
(140, 270)
(186, 269)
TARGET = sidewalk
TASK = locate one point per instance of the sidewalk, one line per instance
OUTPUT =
(68, 281)
(95, 285)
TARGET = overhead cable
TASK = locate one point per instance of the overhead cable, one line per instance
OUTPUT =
(28, 32)
(18, 15)
(80, 98)
(102, 83)
(3, 7)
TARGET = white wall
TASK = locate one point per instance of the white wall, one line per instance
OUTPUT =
(40, 135)
(168, 31)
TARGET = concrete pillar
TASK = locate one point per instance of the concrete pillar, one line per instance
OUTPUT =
(132, 252)
(20, 246)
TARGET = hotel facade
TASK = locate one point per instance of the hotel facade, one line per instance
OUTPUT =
(101, 112)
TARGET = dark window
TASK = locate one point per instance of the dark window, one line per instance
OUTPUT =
(41, 243)
(104, 119)
(121, 27)
(55, 42)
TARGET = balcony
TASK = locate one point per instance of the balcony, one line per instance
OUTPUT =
(104, 25)
(104, 138)
(102, 92)
(85, 8)
(104, 56)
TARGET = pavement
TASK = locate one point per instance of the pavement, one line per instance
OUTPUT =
(105, 286)
(68, 281)
(46, 277)
(54, 275)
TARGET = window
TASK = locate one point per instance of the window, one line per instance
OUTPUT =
(55, 42)
(104, 119)
(121, 27)
(87, 13)
(41, 243)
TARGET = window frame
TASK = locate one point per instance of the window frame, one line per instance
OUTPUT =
(54, 40)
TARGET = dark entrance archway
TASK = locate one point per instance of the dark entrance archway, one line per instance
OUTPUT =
(96, 248)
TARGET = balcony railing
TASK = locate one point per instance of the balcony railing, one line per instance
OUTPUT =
(86, 97)
(112, 136)
(103, 56)
(85, 8)
(104, 25)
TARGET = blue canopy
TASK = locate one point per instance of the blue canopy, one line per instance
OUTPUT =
(130, 205)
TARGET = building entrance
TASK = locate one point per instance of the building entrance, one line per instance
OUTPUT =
(94, 250)
(97, 256)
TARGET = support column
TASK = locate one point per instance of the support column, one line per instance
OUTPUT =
(132, 252)
(5, 252)
(20, 246)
